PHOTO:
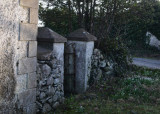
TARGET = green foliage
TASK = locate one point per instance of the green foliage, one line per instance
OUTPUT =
(154, 27)
(142, 17)
(116, 51)
(129, 20)
(152, 73)
(57, 19)
(139, 93)
(143, 86)
(133, 87)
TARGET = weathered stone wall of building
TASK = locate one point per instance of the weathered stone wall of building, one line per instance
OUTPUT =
(50, 74)
(18, 31)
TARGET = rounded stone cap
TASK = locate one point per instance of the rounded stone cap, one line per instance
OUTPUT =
(81, 35)
(47, 35)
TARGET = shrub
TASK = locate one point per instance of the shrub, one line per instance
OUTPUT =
(115, 51)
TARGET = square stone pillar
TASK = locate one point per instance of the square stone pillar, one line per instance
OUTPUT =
(51, 69)
(84, 45)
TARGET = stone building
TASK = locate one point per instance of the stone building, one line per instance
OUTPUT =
(18, 33)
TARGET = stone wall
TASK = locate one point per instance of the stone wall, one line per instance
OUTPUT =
(153, 40)
(18, 31)
(50, 73)
(100, 67)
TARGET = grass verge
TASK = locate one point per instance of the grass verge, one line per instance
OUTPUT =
(137, 94)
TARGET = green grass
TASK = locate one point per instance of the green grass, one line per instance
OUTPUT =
(137, 94)
(102, 106)
(148, 53)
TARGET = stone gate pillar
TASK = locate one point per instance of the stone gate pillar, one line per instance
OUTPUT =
(84, 45)
(18, 51)
(50, 75)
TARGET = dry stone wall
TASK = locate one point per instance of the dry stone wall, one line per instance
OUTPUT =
(50, 86)
(100, 67)
(18, 31)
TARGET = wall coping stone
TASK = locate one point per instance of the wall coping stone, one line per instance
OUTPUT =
(29, 3)
(81, 35)
(47, 35)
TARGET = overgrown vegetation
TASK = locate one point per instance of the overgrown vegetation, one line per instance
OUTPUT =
(126, 19)
(118, 54)
(139, 93)
(148, 52)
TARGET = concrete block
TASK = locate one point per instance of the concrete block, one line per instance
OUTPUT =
(32, 52)
(28, 32)
(27, 65)
(32, 80)
(29, 3)
(27, 97)
(21, 83)
(22, 47)
(33, 16)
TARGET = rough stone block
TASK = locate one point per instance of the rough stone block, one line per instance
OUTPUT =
(31, 109)
(22, 49)
(27, 98)
(24, 12)
(28, 32)
(33, 16)
(55, 105)
(32, 80)
(21, 83)
(27, 65)
(45, 69)
(46, 108)
(29, 3)
(32, 49)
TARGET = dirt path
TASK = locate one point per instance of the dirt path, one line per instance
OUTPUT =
(153, 64)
